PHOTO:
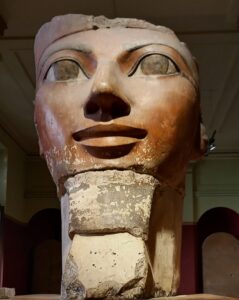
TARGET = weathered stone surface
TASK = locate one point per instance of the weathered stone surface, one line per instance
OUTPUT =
(221, 265)
(163, 245)
(108, 265)
(110, 201)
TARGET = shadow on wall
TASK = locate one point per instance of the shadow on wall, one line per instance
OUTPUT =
(45, 252)
(46, 267)
(32, 253)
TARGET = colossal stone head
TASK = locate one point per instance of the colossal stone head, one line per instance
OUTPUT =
(122, 97)
(115, 94)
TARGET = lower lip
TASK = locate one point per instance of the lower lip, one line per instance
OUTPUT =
(109, 141)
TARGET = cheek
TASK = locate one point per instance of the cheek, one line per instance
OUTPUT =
(165, 100)
(65, 101)
(169, 110)
(52, 123)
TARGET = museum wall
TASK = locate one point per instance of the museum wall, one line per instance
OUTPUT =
(15, 185)
(40, 191)
(216, 183)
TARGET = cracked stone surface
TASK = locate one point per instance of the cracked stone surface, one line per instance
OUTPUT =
(109, 265)
(110, 201)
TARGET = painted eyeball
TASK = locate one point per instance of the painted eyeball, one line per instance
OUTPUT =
(63, 70)
(155, 64)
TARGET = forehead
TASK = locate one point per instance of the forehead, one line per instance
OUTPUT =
(114, 39)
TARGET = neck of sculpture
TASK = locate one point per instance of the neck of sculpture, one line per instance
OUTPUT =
(125, 207)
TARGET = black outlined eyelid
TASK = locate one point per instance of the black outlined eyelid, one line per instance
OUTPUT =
(65, 59)
(137, 64)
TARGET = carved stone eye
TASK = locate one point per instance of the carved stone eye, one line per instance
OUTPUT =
(64, 70)
(156, 64)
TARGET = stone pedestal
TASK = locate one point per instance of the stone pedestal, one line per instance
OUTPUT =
(121, 236)
(105, 250)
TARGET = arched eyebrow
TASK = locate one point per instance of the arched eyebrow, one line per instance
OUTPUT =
(79, 47)
(53, 49)
(136, 47)
(129, 51)
(131, 54)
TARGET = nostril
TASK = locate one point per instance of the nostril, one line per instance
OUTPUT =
(105, 107)
(91, 108)
(120, 109)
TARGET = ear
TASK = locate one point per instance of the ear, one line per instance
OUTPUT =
(201, 143)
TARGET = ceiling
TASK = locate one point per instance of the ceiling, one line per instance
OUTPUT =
(209, 27)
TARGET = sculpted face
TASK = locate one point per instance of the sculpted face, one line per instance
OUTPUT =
(122, 98)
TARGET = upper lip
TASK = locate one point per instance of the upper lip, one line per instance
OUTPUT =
(113, 130)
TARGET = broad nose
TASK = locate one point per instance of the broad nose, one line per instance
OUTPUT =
(105, 101)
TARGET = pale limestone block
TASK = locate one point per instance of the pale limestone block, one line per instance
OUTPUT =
(110, 201)
(108, 265)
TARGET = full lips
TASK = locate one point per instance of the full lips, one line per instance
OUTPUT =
(109, 141)
(111, 130)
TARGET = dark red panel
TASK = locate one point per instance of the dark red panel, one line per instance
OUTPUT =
(15, 254)
(189, 268)
(19, 243)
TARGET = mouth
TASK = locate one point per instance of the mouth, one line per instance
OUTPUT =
(109, 141)
(109, 135)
